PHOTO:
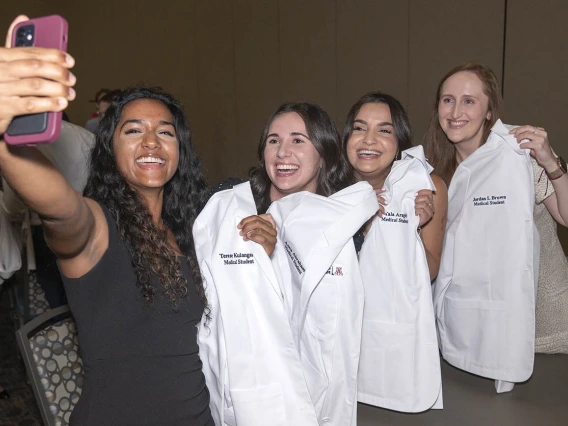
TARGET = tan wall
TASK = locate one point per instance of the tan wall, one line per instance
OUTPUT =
(536, 71)
(233, 62)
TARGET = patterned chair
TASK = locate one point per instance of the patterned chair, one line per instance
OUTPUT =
(55, 370)
(27, 297)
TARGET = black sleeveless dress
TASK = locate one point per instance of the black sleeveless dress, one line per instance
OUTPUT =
(141, 361)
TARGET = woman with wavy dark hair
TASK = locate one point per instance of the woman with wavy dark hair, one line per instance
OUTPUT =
(376, 131)
(125, 249)
(299, 150)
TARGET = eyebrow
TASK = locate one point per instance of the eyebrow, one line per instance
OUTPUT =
(138, 121)
(382, 123)
(452, 96)
(293, 134)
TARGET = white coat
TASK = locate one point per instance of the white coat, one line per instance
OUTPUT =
(323, 291)
(484, 294)
(400, 363)
(249, 358)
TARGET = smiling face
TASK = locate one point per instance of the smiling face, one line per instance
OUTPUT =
(372, 146)
(145, 145)
(291, 160)
(463, 110)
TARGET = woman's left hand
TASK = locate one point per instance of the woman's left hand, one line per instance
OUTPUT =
(261, 229)
(424, 206)
(538, 144)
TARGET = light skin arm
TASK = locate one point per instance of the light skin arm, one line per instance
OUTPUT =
(557, 203)
(34, 80)
(434, 226)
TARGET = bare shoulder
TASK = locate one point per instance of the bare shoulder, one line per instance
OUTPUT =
(440, 185)
(96, 244)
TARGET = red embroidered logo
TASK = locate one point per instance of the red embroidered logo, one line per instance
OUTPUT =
(335, 270)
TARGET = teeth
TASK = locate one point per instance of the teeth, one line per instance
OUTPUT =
(368, 152)
(287, 167)
(457, 123)
(150, 160)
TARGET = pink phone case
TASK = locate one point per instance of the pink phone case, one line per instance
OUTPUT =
(51, 32)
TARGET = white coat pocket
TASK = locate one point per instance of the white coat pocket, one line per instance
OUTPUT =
(476, 327)
(395, 343)
(260, 406)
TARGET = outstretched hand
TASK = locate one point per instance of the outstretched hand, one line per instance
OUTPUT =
(33, 79)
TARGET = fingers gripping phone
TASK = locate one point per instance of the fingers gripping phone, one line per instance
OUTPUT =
(31, 129)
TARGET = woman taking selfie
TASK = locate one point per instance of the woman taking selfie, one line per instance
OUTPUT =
(125, 249)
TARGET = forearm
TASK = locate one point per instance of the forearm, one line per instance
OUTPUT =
(433, 232)
(37, 183)
(561, 192)
(433, 264)
(13, 206)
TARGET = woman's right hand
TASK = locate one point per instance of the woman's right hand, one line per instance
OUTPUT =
(33, 80)
(261, 229)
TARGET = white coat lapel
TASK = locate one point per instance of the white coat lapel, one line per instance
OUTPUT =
(502, 131)
(336, 237)
(247, 207)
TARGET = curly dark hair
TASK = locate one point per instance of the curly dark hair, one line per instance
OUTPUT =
(399, 117)
(185, 195)
(335, 173)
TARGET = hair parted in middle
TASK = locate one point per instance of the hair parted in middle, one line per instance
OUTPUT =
(185, 195)
(335, 173)
(440, 151)
(399, 118)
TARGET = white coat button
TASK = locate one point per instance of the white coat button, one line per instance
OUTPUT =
(325, 419)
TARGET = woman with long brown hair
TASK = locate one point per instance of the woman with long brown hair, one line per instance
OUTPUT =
(468, 104)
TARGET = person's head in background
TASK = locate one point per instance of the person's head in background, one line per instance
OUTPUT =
(468, 103)
(299, 150)
(98, 96)
(105, 101)
(376, 131)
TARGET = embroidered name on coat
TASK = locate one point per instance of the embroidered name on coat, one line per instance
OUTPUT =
(395, 217)
(489, 200)
(237, 258)
(297, 264)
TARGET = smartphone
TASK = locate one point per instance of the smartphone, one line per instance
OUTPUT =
(32, 129)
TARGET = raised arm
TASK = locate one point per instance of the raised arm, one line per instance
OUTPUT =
(557, 203)
(34, 80)
(433, 211)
